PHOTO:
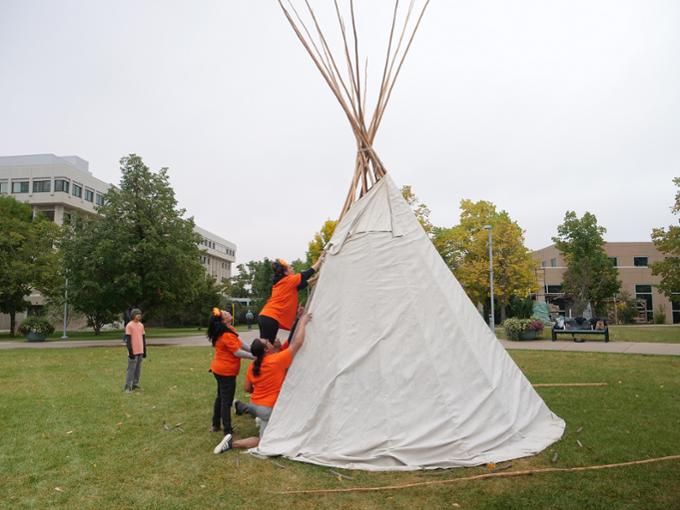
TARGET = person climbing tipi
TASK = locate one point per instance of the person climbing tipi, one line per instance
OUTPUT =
(281, 308)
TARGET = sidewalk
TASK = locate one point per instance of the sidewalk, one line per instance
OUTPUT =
(541, 345)
(596, 346)
(192, 341)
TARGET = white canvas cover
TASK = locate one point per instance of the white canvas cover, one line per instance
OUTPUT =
(399, 371)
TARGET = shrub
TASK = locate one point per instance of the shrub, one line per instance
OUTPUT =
(660, 315)
(520, 308)
(515, 327)
(36, 325)
(626, 308)
(536, 325)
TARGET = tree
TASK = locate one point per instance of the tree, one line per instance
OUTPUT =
(253, 280)
(465, 249)
(319, 241)
(150, 251)
(667, 241)
(27, 256)
(193, 310)
(91, 272)
(421, 211)
(590, 276)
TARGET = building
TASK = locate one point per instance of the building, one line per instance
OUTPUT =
(61, 186)
(632, 261)
(218, 254)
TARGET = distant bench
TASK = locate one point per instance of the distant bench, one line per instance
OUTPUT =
(574, 332)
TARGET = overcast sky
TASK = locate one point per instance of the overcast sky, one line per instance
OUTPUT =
(538, 106)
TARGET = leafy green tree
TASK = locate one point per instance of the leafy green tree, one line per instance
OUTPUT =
(667, 241)
(253, 280)
(28, 258)
(91, 272)
(150, 251)
(195, 308)
(465, 249)
(590, 275)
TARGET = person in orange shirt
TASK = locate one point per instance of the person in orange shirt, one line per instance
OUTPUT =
(135, 341)
(280, 309)
(225, 366)
(264, 379)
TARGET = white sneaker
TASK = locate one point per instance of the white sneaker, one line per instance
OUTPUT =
(258, 422)
(224, 445)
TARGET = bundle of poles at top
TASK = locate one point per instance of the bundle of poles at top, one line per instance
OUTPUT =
(348, 89)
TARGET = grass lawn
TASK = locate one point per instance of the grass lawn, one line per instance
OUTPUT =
(70, 438)
(662, 334)
(118, 334)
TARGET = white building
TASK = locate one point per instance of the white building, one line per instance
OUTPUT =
(61, 186)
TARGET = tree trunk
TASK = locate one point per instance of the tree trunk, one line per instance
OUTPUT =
(12, 322)
(504, 313)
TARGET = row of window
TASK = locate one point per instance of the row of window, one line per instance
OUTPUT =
(637, 262)
(211, 244)
(60, 185)
(639, 289)
(206, 260)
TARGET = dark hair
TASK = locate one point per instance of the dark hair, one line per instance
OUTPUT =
(216, 328)
(257, 349)
(279, 271)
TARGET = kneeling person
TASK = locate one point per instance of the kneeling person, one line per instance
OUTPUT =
(264, 379)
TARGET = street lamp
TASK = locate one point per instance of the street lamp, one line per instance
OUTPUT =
(492, 324)
(65, 336)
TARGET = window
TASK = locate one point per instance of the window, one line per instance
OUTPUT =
(614, 261)
(3, 188)
(48, 214)
(644, 293)
(77, 191)
(553, 262)
(640, 261)
(42, 186)
(61, 185)
(675, 306)
(99, 199)
(89, 195)
(20, 187)
(554, 289)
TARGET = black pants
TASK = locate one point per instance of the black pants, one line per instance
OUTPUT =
(269, 327)
(292, 332)
(226, 387)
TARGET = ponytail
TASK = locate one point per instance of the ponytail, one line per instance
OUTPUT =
(257, 349)
(216, 327)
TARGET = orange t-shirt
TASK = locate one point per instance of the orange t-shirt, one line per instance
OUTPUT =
(267, 385)
(282, 305)
(224, 362)
(136, 332)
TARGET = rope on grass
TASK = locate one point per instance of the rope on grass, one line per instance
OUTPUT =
(506, 474)
(569, 385)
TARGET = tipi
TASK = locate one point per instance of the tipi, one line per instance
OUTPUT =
(399, 370)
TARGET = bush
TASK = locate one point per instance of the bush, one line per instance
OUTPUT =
(660, 315)
(626, 308)
(515, 327)
(520, 308)
(36, 325)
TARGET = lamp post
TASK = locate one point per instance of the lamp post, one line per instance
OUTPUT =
(65, 336)
(492, 323)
